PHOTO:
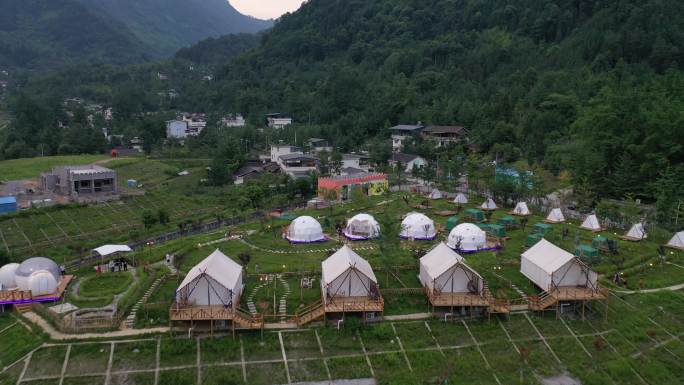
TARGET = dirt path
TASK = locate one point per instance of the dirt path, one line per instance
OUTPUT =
(57, 335)
(646, 291)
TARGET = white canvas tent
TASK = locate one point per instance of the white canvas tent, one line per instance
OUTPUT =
(677, 241)
(305, 229)
(442, 270)
(216, 280)
(467, 237)
(489, 205)
(362, 227)
(418, 226)
(435, 194)
(555, 216)
(591, 223)
(549, 267)
(521, 209)
(461, 199)
(636, 232)
(107, 250)
(346, 274)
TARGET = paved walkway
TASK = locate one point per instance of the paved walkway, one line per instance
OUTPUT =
(646, 291)
(57, 335)
(407, 317)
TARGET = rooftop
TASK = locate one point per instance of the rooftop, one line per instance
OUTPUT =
(407, 127)
(404, 158)
(7, 200)
(460, 130)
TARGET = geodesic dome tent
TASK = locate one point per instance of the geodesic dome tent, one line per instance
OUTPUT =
(555, 216)
(467, 237)
(489, 205)
(362, 227)
(461, 199)
(435, 194)
(417, 226)
(40, 275)
(216, 280)
(305, 229)
(521, 209)
(7, 276)
(443, 270)
(591, 223)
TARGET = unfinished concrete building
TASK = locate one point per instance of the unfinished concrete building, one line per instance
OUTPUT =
(80, 181)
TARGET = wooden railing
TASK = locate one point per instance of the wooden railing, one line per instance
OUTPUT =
(350, 304)
(15, 296)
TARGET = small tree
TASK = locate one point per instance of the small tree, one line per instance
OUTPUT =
(244, 258)
(163, 216)
(149, 219)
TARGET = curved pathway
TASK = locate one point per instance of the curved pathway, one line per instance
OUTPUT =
(646, 291)
(57, 335)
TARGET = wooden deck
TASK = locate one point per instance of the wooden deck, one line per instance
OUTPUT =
(354, 305)
(25, 296)
(457, 299)
(578, 294)
(215, 313)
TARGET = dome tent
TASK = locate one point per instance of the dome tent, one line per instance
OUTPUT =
(362, 227)
(461, 199)
(467, 237)
(555, 216)
(435, 194)
(521, 209)
(39, 275)
(305, 229)
(489, 205)
(7, 274)
(417, 226)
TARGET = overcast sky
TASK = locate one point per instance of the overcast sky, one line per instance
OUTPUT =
(266, 9)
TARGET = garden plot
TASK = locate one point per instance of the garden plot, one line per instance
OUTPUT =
(140, 378)
(220, 350)
(339, 342)
(349, 367)
(223, 375)
(307, 370)
(257, 348)
(138, 355)
(88, 358)
(178, 377)
(46, 362)
(16, 342)
(450, 334)
(266, 373)
(178, 351)
(90, 380)
(301, 344)
(415, 335)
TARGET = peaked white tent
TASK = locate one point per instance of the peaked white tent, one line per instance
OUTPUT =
(461, 199)
(489, 205)
(362, 227)
(521, 209)
(467, 237)
(305, 229)
(435, 194)
(442, 270)
(346, 274)
(555, 216)
(216, 280)
(677, 241)
(591, 223)
(418, 226)
(549, 267)
(636, 232)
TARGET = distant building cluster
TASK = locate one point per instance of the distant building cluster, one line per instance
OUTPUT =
(186, 125)
(441, 136)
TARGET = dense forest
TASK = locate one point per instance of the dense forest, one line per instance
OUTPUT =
(40, 36)
(590, 88)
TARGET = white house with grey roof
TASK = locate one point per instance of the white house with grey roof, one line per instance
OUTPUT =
(408, 161)
(402, 133)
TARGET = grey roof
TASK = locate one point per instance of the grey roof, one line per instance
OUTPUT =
(403, 158)
(352, 171)
(407, 127)
(297, 156)
(351, 156)
(446, 130)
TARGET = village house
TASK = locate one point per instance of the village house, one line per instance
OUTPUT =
(404, 132)
(293, 161)
(356, 161)
(254, 170)
(233, 120)
(408, 161)
(444, 135)
(278, 121)
(317, 145)
(76, 181)
(186, 125)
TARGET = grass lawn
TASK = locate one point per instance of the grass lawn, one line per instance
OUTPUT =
(16, 342)
(32, 167)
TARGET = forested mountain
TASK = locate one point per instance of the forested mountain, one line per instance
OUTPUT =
(40, 35)
(168, 25)
(215, 52)
(590, 88)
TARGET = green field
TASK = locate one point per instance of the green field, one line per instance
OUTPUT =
(32, 167)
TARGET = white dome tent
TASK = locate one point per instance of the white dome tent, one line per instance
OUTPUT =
(216, 280)
(521, 209)
(555, 216)
(636, 233)
(489, 205)
(461, 199)
(305, 229)
(39, 275)
(417, 226)
(467, 237)
(7, 276)
(591, 223)
(435, 194)
(677, 241)
(362, 227)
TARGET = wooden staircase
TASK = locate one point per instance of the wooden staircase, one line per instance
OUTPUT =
(496, 305)
(542, 302)
(22, 308)
(245, 320)
(310, 313)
